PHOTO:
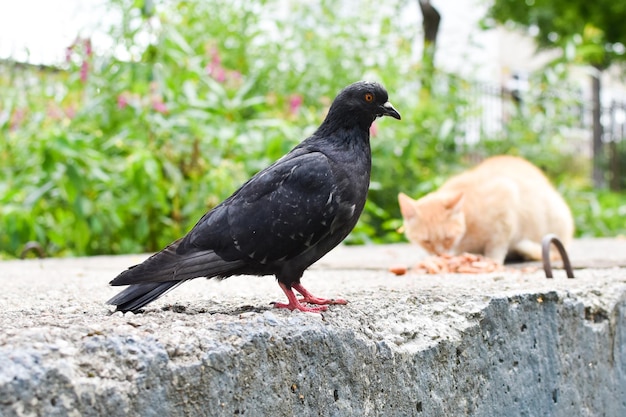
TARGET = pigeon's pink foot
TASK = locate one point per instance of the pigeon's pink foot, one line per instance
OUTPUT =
(296, 304)
(311, 299)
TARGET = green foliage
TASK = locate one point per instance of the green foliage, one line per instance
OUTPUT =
(124, 151)
(598, 213)
(595, 29)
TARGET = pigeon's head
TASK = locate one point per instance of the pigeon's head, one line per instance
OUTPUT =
(365, 100)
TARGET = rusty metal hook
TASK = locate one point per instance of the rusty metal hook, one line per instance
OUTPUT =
(545, 255)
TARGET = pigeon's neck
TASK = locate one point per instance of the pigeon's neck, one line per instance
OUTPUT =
(349, 124)
(346, 138)
(344, 143)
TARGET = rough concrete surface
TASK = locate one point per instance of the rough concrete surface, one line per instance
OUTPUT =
(503, 344)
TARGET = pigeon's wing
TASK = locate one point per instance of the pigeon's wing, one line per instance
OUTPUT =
(279, 213)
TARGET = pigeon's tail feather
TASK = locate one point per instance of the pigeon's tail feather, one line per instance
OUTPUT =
(168, 266)
(138, 295)
(164, 271)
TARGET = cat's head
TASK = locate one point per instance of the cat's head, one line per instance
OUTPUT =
(435, 222)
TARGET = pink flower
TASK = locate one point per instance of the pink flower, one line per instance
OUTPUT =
(68, 54)
(219, 74)
(214, 67)
(17, 118)
(70, 111)
(88, 49)
(234, 75)
(84, 71)
(122, 100)
(69, 50)
(158, 105)
(53, 111)
(215, 57)
(295, 102)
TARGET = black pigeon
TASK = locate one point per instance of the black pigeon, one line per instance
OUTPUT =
(283, 219)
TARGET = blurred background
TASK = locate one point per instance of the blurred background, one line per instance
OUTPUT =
(123, 121)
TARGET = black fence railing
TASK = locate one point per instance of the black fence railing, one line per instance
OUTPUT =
(491, 107)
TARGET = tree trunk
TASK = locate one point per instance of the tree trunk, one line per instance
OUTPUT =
(597, 174)
(430, 24)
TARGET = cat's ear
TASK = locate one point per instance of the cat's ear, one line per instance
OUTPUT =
(406, 206)
(455, 203)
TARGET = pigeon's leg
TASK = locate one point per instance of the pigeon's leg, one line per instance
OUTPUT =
(294, 303)
(311, 299)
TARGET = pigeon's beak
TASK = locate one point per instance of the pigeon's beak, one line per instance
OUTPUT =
(388, 110)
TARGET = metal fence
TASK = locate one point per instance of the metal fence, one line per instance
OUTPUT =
(491, 107)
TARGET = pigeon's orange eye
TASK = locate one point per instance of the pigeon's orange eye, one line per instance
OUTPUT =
(369, 97)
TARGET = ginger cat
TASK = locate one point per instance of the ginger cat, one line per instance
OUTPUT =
(502, 207)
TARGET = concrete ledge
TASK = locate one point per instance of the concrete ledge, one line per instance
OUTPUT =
(487, 345)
